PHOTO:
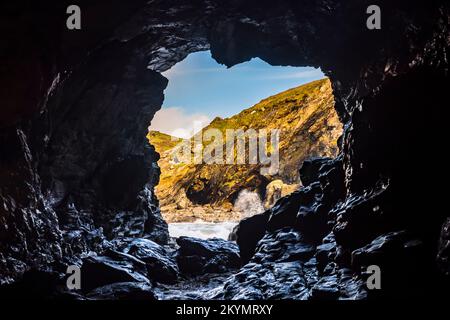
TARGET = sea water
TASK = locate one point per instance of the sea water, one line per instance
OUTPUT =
(248, 203)
(201, 229)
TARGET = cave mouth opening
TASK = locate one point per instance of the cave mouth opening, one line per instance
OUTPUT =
(231, 140)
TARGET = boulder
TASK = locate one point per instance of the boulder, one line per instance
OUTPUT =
(161, 266)
(98, 271)
(215, 255)
(248, 232)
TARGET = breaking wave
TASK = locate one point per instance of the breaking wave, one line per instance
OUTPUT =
(248, 203)
(201, 229)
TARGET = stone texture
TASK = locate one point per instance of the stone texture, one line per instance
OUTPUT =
(284, 267)
(100, 271)
(123, 291)
(196, 256)
(247, 234)
(161, 266)
(310, 170)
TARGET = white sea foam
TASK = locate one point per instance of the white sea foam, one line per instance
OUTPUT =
(248, 203)
(201, 229)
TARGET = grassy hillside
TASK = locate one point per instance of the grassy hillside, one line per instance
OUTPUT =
(162, 142)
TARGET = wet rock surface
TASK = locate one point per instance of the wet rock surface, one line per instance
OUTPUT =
(123, 291)
(101, 271)
(247, 234)
(76, 172)
(285, 267)
(196, 256)
(138, 269)
(200, 287)
(310, 169)
(161, 265)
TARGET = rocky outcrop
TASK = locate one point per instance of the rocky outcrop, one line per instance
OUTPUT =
(75, 169)
(333, 242)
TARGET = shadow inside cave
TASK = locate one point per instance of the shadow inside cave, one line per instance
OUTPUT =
(77, 177)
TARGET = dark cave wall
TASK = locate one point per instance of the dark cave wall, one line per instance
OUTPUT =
(71, 174)
(96, 160)
(75, 150)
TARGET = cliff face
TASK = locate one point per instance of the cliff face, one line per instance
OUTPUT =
(75, 107)
(308, 127)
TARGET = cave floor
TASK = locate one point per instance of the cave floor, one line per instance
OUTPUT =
(202, 287)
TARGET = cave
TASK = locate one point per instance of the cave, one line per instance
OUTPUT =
(77, 175)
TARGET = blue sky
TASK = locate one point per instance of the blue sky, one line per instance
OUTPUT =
(200, 89)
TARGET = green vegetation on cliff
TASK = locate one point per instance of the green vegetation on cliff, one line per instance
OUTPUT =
(162, 141)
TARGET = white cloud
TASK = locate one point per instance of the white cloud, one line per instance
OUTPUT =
(176, 122)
